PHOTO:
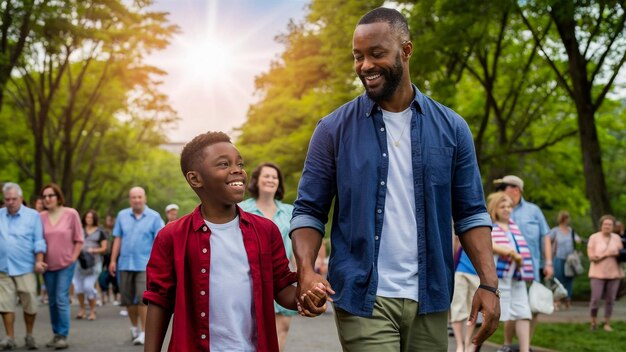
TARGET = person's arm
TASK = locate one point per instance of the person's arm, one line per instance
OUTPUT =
(157, 321)
(548, 269)
(509, 252)
(40, 246)
(306, 244)
(115, 251)
(78, 236)
(477, 244)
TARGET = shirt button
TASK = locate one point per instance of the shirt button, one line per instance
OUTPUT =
(203, 314)
(204, 228)
(203, 270)
(379, 211)
(203, 336)
(202, 293)
(204, 250)
(376, 238)
(384, 155)
(382, 183)
(382, 129)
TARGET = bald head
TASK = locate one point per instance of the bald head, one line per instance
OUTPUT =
(137, 199)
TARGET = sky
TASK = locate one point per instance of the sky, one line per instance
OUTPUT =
(212, 62)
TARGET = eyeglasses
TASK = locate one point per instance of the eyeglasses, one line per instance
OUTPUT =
(48, 196)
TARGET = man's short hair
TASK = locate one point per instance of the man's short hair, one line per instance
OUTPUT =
(11, 185)
(193, 151)
(394, 18)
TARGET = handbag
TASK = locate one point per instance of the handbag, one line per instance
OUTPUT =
(558, 290)
(540, 299)
(86, 260)
(573, 264)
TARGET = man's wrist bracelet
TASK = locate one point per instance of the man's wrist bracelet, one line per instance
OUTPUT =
(495, 290)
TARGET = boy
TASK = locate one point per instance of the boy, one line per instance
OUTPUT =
(219, 268)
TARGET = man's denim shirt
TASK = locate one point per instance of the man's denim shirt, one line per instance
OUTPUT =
(348, 161)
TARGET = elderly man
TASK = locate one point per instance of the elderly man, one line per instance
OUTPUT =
(399, 167)
(22, 249)
(171, 212)
(134, 233)
(534, 227)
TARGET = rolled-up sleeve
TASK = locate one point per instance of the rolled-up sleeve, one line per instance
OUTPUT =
(468, 200)
(317, 185)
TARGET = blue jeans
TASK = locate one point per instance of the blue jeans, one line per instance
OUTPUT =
(559, 273)
(58, 285)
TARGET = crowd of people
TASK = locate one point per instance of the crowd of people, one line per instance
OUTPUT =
(399, 171)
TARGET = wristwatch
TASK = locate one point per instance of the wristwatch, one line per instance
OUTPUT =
(496, 291)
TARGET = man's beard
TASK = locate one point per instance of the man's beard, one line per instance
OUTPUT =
(392, 82)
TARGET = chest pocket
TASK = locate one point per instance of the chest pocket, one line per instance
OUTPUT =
(440, 165)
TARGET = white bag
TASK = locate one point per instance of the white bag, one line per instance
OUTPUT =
(540, 299)
(558, 290)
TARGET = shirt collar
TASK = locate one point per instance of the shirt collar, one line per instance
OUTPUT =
(371, 106)
(143, 213)
(18, 213)
(197, 221)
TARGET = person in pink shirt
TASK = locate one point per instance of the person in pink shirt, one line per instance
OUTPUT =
(605, 272)
(63, 233)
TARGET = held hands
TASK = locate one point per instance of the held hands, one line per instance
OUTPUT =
(313, 301)
(41, 267)
(517, 258)
(489, 304)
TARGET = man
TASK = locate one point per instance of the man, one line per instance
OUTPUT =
(134, 233)
(171, 212)
(22, 249)
(534, 227)
(394, 160)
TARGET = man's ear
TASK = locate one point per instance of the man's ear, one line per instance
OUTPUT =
(407, 49)
(194, 179)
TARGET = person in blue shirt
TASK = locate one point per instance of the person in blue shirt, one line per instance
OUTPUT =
(22, 250)
(400, 167)
(134, 233)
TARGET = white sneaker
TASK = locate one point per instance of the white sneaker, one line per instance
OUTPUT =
(140, 339)
(134, 332)
(124, 312)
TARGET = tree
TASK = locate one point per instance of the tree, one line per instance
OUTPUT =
(86, 71)
(593, 38)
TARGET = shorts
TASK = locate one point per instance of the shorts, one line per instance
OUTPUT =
(465, 286)
(513, 300)
(132, 286)
(22, 286)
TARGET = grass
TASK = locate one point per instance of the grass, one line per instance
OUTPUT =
(574, 337)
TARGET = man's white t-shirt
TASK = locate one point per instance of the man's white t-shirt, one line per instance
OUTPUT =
(232, 326)
(397, 256)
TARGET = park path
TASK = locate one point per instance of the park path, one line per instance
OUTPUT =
(110, 332)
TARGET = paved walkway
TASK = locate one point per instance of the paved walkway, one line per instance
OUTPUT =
(110, 332)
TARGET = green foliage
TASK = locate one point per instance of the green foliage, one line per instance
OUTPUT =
(477, 57)
(573, 337)
(85, 111)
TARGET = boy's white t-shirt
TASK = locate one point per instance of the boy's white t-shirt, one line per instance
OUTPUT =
(232, 326)
(397, 255)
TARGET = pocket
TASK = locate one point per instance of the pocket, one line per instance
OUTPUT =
(440, 165)
(267, 267)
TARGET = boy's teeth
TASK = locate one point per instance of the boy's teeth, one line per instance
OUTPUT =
(236, 183)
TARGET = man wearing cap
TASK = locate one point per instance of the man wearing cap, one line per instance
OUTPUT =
(171, 212)
(534, 227)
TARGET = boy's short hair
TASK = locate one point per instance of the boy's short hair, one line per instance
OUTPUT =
(192, 152)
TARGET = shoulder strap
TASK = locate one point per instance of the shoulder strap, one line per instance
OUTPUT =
(573, 238)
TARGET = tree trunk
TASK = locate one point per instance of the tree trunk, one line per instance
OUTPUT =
(595, 185)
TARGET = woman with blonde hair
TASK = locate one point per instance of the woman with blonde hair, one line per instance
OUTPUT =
(605, 272)
(513, 265)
